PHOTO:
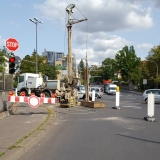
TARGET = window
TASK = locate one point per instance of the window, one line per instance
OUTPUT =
(21, 79)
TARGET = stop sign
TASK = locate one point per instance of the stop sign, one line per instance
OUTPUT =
(12, 44)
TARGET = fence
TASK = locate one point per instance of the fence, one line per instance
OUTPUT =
(6, 82)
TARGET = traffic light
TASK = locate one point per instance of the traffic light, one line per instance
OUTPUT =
(12, 65)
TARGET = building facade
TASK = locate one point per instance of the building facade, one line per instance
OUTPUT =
(52, 56)
(60, 61)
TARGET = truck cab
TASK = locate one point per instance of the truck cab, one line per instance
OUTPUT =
(22, 81)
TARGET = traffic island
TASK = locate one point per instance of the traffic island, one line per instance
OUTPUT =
(93, 104)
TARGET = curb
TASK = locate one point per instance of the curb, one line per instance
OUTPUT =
(32, 138)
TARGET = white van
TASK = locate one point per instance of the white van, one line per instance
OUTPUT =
(110, 88)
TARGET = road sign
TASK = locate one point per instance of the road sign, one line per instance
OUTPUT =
(33, 101)
(144, 81)
(12, 44)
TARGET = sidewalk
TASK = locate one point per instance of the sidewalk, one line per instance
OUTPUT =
(21, 130)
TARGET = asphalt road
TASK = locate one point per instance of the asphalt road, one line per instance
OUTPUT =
(81, 133)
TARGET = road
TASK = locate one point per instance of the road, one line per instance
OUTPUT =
(80, 133)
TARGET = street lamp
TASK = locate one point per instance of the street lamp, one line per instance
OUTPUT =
(36, 21)
(156, 65)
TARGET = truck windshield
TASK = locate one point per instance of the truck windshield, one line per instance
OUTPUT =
(112, 88)
(82, 88)
(21, 79)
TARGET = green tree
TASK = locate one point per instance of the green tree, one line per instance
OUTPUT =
(28, 65)
(4, 55)
(127, 61)
(153, 61)
(108, 69)
(153, 64)
(81, 70)
(136, 75)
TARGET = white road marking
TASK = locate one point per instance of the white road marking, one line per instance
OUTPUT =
(134, 107)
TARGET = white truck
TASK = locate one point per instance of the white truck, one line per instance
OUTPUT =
(110, 88)
(34, 83)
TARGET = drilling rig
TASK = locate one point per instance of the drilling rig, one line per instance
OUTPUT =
(72, 75)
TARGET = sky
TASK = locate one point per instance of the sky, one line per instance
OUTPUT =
(111, 25)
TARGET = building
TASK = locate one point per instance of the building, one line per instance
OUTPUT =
(60, 61)
(52, 56)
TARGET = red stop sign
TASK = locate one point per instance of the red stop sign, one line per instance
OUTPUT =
(12, 44)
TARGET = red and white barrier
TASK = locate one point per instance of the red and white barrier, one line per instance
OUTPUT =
(24, 99)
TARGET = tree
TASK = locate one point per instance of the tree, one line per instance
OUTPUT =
(81, 70)
(153, 61)
(127, 61)
(28, 65)
(108, 69)
(3, 60)
(136, 75)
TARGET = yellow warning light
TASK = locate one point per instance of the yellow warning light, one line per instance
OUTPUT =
(117, 89)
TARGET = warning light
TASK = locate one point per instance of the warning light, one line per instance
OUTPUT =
(11, 93)
(42, 95)
(53, 95)
(22, 94)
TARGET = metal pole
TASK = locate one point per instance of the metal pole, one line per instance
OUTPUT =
(36, 50)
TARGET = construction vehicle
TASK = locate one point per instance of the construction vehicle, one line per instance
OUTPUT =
(30, 83)
(66, 91)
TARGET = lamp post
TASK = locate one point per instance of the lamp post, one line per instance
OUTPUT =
(36, 21)
(156, 66)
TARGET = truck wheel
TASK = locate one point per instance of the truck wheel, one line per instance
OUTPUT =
(47, 94)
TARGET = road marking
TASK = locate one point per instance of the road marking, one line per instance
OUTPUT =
(134, 107)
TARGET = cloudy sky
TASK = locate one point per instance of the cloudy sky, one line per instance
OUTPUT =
(111, 25)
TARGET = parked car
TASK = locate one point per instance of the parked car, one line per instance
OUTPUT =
(82, 92)
(156, 93)
(110, 88)
(98, 91)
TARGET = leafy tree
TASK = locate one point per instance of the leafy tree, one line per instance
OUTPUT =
(28, 65)
(108, 69)
(81, 70)
(4, 55)
(153, 61)
(136, 75)
(127, 61)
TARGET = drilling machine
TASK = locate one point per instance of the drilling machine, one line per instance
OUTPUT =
(69, 95)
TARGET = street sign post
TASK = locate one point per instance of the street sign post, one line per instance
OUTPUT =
(12, 44)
